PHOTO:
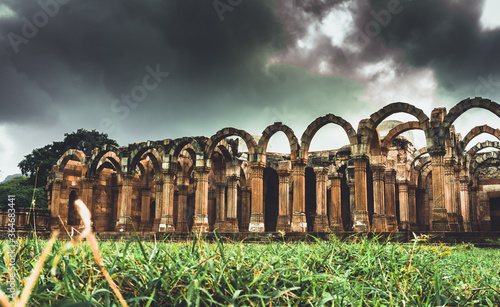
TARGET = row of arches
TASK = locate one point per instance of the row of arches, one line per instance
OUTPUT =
(202, 183)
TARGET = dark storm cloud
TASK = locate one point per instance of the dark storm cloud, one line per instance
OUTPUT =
(445, 36)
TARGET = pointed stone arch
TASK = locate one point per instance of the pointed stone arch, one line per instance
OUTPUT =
(153, 150)
(113, 152)
(226, 132)
(394, 132)
(480, 146)
(80, 155)
(269, 132)
(318, 123)
(366, 128)
(477, 131)
(466, 105)
(481, 158)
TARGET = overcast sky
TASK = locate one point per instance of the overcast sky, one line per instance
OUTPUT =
(151, 70)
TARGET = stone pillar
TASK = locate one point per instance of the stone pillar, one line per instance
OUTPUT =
(182, 210)
(475, 208)
(352, 202)
(439, 215)
(449, 194)
(390, 199)
(55, 199)
(87, 195)
(167, 206)
(404, 218)
(284, 171)
(321, 220)
(457, 201)
(412, 206)
(220, 200)
(379, 217)
(201, 199)
(299, 223)
(145, 201)
(361, 221)
(245, 205)
(124, 222)
(336, 202)
(257, 213)
(232, 204)
(464, 203)
(158, 203)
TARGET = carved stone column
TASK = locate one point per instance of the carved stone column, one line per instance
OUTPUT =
(201, 199)
(220, 199)
(412, 206)
(457, 202)
(158, 203)
(88, 193)
(390, 199)
(475, 208)
(361, 221)
(440, 216)
(232, 204)
(284, 171)
(167, 208)
(464, 205)
(336, 202)
(321, 220)
(257, 213)
(182, 210)
(145, 214)
(449, 194)
(379, 217)
(404, 219)
(124, 221)
(352, 202)
(245, 205)
(299, 223)
(55, 199)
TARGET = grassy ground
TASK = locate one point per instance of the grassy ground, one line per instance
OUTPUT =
(356, 272)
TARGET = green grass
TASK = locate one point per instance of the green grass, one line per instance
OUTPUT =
(357, 272)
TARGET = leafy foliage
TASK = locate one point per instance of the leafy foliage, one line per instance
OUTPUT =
(47, 156)
(22, 188)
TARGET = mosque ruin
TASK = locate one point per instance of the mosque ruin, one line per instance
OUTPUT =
(371, 184)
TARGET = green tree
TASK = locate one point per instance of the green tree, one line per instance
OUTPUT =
(44, 158)
(22, 189)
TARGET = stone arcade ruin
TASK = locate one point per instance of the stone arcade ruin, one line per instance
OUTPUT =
(371, 184)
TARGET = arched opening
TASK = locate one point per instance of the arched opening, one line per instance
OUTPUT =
(271, 194)
(73, 218)
(310, 197)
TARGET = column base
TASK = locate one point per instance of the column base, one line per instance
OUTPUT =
(256, 222)
(467, 226)
(182, 226)
(461, 223)
(200, 223)
(404, 226)
(453, 222)
(283, 223)
(361, 221)
(124, 223)
(299, 223)
(336, 224)
(392, 223)
(231, 225)
(220, 226)
(55, 224)
(321, 224)
(166, 224)
(379, 223)
(440, 221)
